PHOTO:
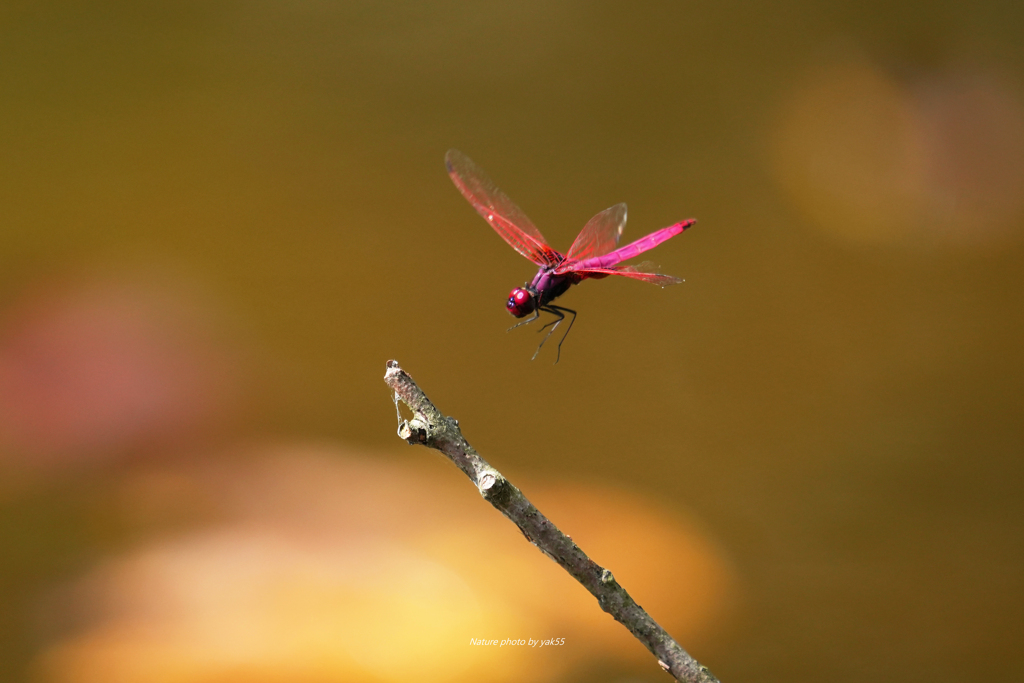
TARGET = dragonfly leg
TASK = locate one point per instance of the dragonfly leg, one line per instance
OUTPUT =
(567, 330)
(536, 314)
(554, 324)
(560, 312)
(547, 325)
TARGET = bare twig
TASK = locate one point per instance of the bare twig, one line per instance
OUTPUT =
(430, 427)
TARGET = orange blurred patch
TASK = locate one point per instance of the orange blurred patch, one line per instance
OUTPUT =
(325, 567)
(874, 159)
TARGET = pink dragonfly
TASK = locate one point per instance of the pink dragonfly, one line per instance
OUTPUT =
(592, 256)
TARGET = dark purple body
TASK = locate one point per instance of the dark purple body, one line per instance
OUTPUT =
(550, 286)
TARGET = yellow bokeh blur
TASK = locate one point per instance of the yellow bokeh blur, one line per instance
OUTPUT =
(324, 566)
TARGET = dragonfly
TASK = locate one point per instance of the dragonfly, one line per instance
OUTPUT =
(594, 254)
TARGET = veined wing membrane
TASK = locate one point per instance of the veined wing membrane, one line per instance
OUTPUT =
(645, 272)
(600, 235)
(507, 219)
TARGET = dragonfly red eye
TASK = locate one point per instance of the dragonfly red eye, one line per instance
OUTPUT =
(520, 302)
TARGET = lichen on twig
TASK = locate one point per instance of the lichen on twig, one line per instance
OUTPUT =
(432, 428)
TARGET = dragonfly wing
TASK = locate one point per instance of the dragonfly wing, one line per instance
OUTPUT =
(600, 235)
(645, 272)
(507, 219)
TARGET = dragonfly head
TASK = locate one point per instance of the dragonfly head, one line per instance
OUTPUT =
(521, 302)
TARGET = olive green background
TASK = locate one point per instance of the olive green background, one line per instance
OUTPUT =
(843, 416)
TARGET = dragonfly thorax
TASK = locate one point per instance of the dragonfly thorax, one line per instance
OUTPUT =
(521, 302)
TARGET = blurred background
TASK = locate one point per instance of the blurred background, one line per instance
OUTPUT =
(219, 220)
